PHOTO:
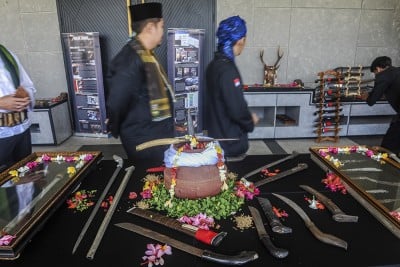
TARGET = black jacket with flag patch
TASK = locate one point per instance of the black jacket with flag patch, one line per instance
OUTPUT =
(226, 114)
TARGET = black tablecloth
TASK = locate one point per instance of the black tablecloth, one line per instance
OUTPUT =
(369, 242)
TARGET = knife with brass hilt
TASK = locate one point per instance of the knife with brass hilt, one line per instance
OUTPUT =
(321, 236)
(338, 214)
(264, 237)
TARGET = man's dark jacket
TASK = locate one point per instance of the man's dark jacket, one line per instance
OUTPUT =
(128, 106)
(387, 83)
(226, 112)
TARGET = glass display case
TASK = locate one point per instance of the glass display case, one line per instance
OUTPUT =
(370, 175)
(32, 189)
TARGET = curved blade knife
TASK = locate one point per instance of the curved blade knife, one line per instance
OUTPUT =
(273, 220)
(338, 214)
(264, 237)
(239, 259)
(321, 236)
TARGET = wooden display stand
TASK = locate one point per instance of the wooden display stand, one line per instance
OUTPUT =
(329, 103)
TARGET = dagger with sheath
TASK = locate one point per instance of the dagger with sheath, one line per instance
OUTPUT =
(321, 236)
(338, 214)
(206, 236)
(239, 259)
(269, 165)
(279, 253)
(273, 220)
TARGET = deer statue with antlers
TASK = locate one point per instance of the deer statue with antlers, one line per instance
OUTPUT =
(270, 70)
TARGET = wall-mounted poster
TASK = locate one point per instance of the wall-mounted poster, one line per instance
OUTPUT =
(185, 62)
(82, 52)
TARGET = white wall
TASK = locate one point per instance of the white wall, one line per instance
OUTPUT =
(316, 35)
(30, 28)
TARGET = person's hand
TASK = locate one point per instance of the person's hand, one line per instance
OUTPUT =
(255, 118)
(12, 103)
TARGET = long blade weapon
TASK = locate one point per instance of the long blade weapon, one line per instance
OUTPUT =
(299, 167)
(177, 140)
(120, 162)
(110, 212)
(321, 236)
(269, 165)
(239, 259)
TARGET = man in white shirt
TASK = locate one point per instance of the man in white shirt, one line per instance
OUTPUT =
(16, 99)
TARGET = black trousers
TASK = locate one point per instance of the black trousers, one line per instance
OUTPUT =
(14, 148)
(391, 140)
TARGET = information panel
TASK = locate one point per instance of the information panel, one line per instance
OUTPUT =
(82, 52)
(185, 64)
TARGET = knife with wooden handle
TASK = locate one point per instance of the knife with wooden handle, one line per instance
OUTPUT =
(338, 214)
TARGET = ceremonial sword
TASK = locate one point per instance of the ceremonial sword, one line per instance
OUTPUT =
(120, 162)
(242, 258)
(269, 165)
(264, 237)
(206, 236)
(338, 214)
(110, 212)
(321, 236)
(177, 140)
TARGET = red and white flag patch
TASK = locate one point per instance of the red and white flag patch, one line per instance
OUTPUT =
(236, 82)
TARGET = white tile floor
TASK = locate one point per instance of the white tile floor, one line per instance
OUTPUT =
(75, 142)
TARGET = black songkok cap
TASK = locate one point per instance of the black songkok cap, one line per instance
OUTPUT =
(145, 11)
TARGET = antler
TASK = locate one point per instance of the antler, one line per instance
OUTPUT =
(280, 55)
(262, 57)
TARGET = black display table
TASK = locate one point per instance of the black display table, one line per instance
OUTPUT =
(369, 242)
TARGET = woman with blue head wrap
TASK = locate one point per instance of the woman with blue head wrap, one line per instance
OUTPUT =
(226, 114)
(229, 32)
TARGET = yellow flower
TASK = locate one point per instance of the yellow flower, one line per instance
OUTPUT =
(146, 185)
(71, 170)
(13, 173)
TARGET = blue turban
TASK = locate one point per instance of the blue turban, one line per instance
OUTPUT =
(229, 32)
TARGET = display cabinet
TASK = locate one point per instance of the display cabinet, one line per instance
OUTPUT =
(31, 190)
(291, 113)
(370, 175)
(51, 123)
(365, 119)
